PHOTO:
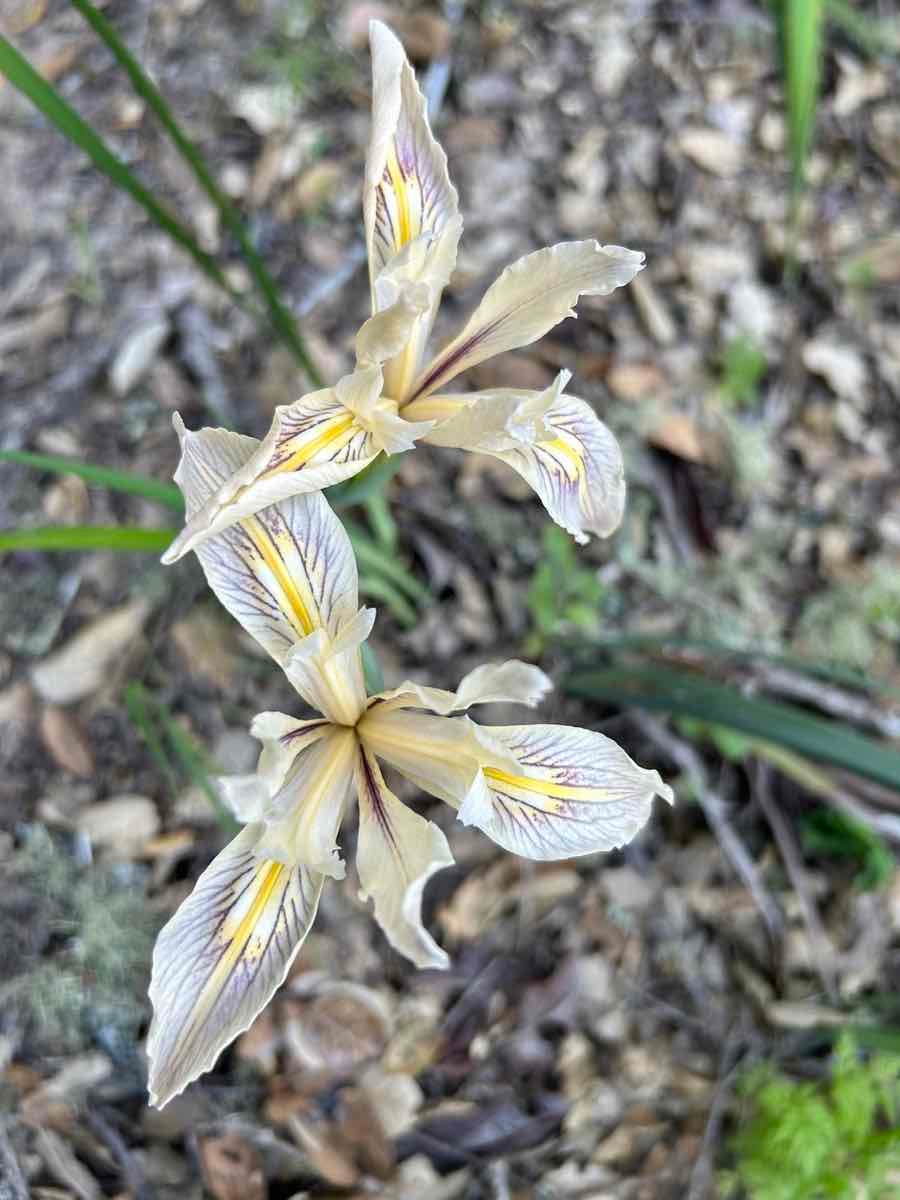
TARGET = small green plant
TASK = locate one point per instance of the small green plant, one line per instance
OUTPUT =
(805, 1141)
(97, 937)
(852, 623)
(303, 55)
(833, 834)
(743, 366)
(563, 595)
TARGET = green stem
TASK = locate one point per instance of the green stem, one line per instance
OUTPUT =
(48, 101)
(281, 318)
(85, 537)
(118, 481)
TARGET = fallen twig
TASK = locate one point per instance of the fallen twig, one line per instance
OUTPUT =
(829, 698)
(132, 1176)
(702, 1183)
(823, 951)
(715, 811)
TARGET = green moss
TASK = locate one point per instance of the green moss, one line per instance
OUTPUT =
(91, 939)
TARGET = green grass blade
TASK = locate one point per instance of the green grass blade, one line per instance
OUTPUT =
(86, 537)
(48, 101)
(800, 44)
(117, 481)
(376, 587)
(157, 724)
(686, 695)
(375, 561)
(362, 486)
(653, 643)
(873, 35)
(138, 705)
(279, 315)
(196, 765)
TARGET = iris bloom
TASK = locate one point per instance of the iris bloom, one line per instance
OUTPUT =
(396, 396)
(288, 575)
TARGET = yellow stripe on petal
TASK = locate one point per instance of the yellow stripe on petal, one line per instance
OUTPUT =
(267, 877)
(284, 573)
(576, 792)
(407, 190)
(555, 441)
(403, 233)
(221, 957)
(541, 786)
(333, 437)
(295, 609)
(572, 459)
(316, 441)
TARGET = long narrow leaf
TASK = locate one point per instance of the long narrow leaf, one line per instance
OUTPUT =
(47, 100)
(377, 562)
(686, 695)
(86, 537)
(139, 709)
(371, 479)
(676, 643)
(281, 318)
(161, 731)
(800, 42)
(108, 477)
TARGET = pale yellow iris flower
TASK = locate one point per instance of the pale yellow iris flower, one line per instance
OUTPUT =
(395, 396)
(288, 575)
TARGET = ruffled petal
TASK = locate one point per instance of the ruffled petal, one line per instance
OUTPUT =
(530, 297)
(554, 441)
(248, 797)
(388, 331)
(284, 572)
(407, 187)
(313, 443)
(410, 207)
(304, 816)
(572, 792)
(282, 738)
(541, 791)
(512, 682)
(327, 671)
(221, 957)
(397, 853)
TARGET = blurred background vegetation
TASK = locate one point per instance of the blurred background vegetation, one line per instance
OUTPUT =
(715, 1010)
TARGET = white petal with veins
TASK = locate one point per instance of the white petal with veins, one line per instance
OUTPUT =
(397, 853)
(529, 298)
(410, 207)
(284, 573)
(511, 682)
(221, 957)
(313, 443)
(305, 815)
(554, 441)
(572, 792)
(541, 791)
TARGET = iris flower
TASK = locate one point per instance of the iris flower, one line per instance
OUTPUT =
(288, 575)
(396, 395)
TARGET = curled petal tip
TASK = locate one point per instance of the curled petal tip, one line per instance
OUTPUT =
(663, 790)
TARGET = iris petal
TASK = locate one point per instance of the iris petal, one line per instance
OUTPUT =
(221, 957)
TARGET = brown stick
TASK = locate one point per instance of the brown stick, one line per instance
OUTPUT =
(12, 1181)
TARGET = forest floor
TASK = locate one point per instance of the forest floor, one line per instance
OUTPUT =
(587, 1038)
